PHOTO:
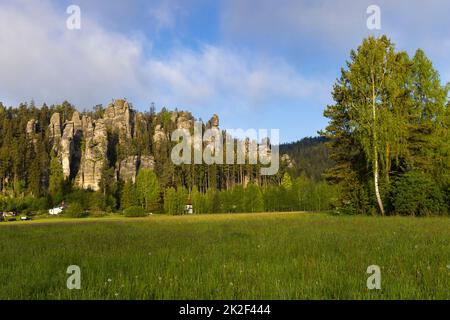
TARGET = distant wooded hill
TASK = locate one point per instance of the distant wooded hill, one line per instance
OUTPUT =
(310, 155)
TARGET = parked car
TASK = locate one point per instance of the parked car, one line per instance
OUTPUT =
(25, 218)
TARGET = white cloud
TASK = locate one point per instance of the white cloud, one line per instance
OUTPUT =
(41, 59)
(44, 60)
(219, 75)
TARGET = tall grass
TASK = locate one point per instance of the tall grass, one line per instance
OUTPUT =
(241, 256)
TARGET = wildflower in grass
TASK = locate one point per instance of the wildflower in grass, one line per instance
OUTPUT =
(109, 280)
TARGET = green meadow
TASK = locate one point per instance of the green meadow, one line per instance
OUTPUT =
(227, 256)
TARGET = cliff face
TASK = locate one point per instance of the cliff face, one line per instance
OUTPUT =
(93, 156)
(81, 144)
(69, 150)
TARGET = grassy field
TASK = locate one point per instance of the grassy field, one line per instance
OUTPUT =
(241, 256)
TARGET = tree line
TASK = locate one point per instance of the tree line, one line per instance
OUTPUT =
(299, 194)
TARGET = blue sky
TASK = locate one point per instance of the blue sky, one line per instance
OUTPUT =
(256, 63)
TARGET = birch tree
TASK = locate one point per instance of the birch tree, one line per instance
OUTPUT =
(371, 107)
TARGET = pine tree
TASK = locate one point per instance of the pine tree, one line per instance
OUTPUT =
(427, 116)
(56, 177)
(129, 196)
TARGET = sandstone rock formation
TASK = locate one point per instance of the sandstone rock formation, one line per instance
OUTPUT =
(214, 121)
(31, 127)
(264, 151)
(129, 167)
(118, 116)
(69, 150)
(81, 143)
(55, 130)
(146, 162)
(93, 156)
(285, 158)
(184, 121)
(159, 136)
(55, 126)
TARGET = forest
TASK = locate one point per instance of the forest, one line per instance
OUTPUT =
(32, 175)
(385, 151)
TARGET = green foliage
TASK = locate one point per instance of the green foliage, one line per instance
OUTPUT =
(129, 195)
(286, 181)
(212, 203)
(56, 177)
(389, 118)
(102, 202)
(415, 193)
(198, 201)
(226, 201)
(310, 155)
(253, 199)
(29, 205)
(96, 201)
(134, 211)
(147, 188)
(175, 201)
(75, 210)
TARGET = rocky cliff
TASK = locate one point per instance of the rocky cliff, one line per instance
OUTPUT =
(82, 144)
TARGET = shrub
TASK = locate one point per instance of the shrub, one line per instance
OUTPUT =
(134, 211)
(415, 193)
(75, 210)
